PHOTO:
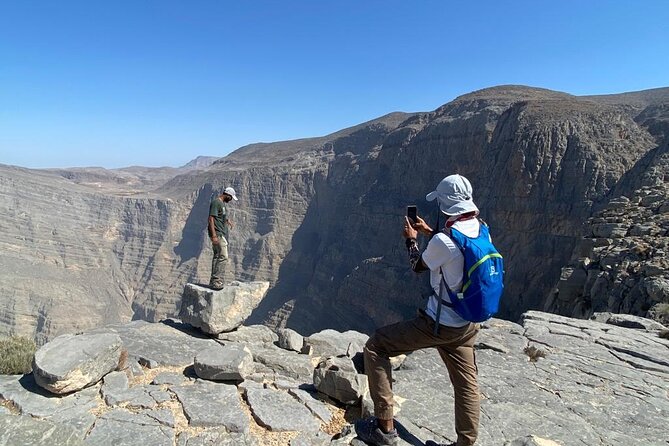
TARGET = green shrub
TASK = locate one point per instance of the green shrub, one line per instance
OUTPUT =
(16, 355)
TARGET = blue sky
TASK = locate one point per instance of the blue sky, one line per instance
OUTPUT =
(156, 83)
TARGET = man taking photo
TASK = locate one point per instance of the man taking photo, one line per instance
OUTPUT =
(437, 326)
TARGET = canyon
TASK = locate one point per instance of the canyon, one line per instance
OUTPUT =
(320, 218)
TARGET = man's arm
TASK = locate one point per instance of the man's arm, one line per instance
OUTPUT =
(410, 234)
(415, 259)
(212, 230)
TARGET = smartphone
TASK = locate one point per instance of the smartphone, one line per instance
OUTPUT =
(412, 213)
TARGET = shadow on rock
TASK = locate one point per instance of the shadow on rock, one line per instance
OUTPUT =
(29, 384)
(193, 234)
(186, 328)
(189, 372)
(407, 436)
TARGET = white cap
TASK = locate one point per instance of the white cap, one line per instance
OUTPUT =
(454, 194)
(230, 191)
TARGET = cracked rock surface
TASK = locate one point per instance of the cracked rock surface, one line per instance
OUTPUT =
(548, 380)
(598, 384)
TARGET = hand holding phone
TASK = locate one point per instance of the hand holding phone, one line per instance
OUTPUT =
(416, 222)
(412, 213)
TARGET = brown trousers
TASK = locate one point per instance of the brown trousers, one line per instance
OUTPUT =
(456, 348)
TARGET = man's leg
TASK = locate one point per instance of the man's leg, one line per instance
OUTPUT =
(458, 355)
(218, 262)
(388, 341)
(392, 340)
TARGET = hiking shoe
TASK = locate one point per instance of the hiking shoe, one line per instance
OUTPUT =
(218, 285)
(368, 430)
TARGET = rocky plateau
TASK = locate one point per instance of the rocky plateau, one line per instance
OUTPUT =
(550, 380)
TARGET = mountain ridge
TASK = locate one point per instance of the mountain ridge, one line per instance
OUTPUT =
(318, 219)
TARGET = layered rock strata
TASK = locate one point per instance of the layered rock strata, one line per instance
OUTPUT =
(622, 266)
(319, 218)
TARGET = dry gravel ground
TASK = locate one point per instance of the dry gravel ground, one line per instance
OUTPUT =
(259, 433)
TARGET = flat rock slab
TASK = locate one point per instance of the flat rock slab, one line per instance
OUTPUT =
(72, 362)
(168, 378)
(209, 404)
(137, 397)
(333, 343)
(628, 321)
(231, 362)
(311, 439)
(119, 427)
(215, 436)
(582, 392)
(317, 407)
(279, 411)
(284, 363)
(250, 335)
(531, 440)
(114, 382)
(165, 344)
(73, 410)
(160, 396)
(18, 430)
(162, 416)
(223, 310)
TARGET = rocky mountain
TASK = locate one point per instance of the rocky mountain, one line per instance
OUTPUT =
(200, 162)
(77, 245)
(320, 218)
(621, 265)
(550, 380)
(129, 180)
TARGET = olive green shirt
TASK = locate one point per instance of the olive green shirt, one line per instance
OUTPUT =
(217, 210)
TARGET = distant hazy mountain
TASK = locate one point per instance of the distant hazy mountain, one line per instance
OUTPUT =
(201, 162)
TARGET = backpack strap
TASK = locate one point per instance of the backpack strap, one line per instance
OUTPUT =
(442, 282)
(440, 301)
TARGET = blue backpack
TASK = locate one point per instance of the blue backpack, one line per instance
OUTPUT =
(482, 281)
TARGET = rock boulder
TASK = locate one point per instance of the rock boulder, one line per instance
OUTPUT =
(231, 362)
(217, 311)
(290, 339)
(72, 362)
(339, 379)
(333, 343)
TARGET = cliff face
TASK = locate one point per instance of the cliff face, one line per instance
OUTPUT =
(537, 160)
(621, 264)
(73, 258)
(321, 218)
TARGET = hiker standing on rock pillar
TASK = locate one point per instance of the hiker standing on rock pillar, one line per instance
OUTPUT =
(219, 225)
(439, 325)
